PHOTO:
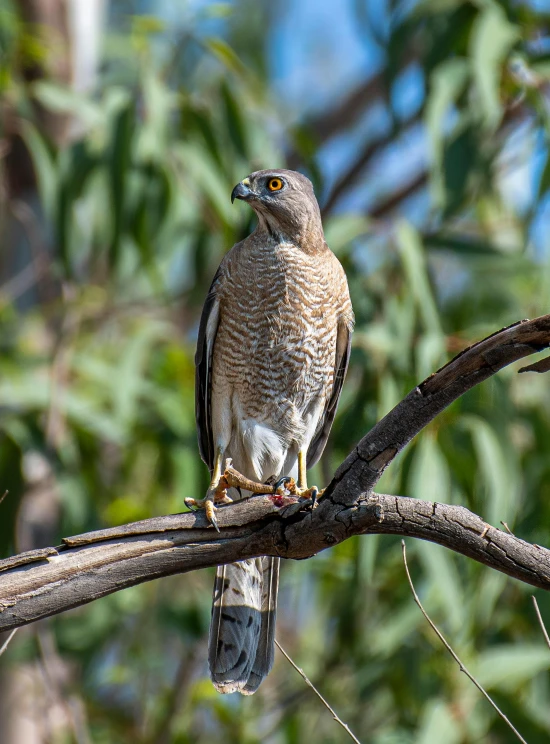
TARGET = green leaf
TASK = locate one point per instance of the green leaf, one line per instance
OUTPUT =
(460, 160)
(414, 263)
(44, 164)
(439, 724)
(204, 176)
(544, 183)
(128, 381)
(148, 217)
(234, 121)
(462, 246)
(491, 588)
(226, 55)
(75, 169)
(341, 230)
(429, 477)
(430, 353)
(119, 164)
(398, 626)
(447, 83)
(493, 38)
(541, 68)
(64, 100)
(510, 667)
(444, 581)
(496, 476)
(196, 122)
(218, 10)
(147, 24)
(11, 480)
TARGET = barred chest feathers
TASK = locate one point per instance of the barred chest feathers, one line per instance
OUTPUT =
(279, 311)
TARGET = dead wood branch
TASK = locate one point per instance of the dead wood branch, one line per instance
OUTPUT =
(48, 581)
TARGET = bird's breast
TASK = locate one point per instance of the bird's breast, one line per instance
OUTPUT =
(277, 333)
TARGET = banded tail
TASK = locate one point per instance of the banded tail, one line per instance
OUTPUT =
(241, 646)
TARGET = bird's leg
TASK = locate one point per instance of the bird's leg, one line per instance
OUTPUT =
(217, 492)
(302, 472)
(231, 478)
(301, 489)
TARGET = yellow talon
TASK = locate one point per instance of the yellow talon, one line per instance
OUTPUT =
(210, 511)
(217, 493)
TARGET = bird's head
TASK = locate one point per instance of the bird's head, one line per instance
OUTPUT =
(284, 202)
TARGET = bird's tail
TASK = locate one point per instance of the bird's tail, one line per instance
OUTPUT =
(241, 647)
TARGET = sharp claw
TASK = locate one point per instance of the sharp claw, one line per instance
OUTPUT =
(218, 494)
(314, 495)
(281, 482)
(210, 511)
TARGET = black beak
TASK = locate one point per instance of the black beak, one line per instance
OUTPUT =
(240, 192)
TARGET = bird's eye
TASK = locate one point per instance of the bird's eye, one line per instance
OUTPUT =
(275, 184)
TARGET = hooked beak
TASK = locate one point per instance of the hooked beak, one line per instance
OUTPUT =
(241, 191)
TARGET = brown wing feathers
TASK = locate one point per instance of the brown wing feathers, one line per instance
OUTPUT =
(203, 374)
(343, 349)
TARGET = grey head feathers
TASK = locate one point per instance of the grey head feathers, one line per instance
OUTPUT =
(286, 206)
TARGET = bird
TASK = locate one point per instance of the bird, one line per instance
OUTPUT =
(272, 352)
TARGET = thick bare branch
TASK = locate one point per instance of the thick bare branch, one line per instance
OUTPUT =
(90, 566)
(362, 469)
(48, 581)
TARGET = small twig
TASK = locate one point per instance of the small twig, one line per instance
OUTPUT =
(3, 496)
(453, 654)
(8, 639)
(316, 691)
(541, 622)
(508, 530)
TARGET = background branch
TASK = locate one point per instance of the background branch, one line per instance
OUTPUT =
(449, 648)
(541, 622)
(316, 691)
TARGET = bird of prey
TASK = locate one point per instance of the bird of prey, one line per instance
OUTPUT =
(272, 354)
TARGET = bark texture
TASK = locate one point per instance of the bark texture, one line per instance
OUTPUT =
(44, 582)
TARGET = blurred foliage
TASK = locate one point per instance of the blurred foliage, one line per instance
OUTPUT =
(104, 268)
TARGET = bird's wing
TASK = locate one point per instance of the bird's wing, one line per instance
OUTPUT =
(208, 328)
(343, 348)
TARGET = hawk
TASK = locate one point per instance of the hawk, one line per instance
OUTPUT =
(272, 354)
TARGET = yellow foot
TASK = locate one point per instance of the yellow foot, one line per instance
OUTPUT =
(214, 495)
(308, 496)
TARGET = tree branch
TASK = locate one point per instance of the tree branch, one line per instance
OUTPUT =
(51, 580)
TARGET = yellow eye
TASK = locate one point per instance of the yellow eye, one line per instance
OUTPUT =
(275, 184)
